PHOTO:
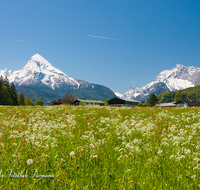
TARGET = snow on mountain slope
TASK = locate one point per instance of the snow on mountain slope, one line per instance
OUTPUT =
(118, 94)
(39, 74)
(178, 78)
(38, 71)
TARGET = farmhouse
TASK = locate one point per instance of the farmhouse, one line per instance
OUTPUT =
(118, 102)
(188, 103)
(88, 102)
(56, 102)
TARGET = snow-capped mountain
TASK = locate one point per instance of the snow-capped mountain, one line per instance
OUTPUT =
(178, 78)
(118, 94)
(38, 71)
(40, 74)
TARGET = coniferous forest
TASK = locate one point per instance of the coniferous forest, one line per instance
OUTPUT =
(8, 94)
(185, 94)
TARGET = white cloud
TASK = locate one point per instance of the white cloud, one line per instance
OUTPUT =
(102, 37)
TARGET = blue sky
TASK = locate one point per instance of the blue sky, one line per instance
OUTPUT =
(115, 43)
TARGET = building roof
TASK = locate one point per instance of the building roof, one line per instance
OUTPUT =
(124, 99)
(169, 104)
(89, 101)
(190, 102)
(57, 101)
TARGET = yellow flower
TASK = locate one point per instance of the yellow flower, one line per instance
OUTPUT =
(129, 153)
(143, 183)
(131, 181)
(198, 185)
(154, 188)
(171, 187)
(149, 159)
(188, 167)
(118, 158)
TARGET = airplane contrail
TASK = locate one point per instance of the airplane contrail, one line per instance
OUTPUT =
(102, 37)
(20, 41)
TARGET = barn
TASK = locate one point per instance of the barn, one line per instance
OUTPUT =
(88, 102)
(56, 102)
(119, 102)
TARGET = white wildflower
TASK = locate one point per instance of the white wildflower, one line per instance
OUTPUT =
(29, 161)
(1, 144)
(193, 177)
(72, 153)
(171, 156)
(181, 157)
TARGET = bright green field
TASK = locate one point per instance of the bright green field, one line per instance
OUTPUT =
(65, 147)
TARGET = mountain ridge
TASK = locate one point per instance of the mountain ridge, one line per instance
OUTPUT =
(38, 73)
(180, 77)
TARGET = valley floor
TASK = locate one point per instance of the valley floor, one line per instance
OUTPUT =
(67, 147)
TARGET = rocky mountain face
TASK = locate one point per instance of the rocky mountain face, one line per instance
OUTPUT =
(38, 73)
(178, 78)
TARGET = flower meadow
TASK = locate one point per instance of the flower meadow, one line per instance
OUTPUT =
(67, 147)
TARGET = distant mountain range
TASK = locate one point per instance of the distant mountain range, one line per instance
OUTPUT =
(178, 78)
(39, 79)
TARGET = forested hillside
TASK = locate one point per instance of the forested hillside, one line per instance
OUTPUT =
(186, 94)
(8, 95)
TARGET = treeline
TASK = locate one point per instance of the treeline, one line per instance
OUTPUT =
(9, 95)
(186, 94)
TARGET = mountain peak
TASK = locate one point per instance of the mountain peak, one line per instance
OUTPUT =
(37, 58)
(179, 66)
(180, 77)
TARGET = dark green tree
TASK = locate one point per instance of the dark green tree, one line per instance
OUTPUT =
(1, 93)
(13, 94)
(6, 97)
(106, 101)
(39, 103)
(153, 100)
(28, 101)
(177, 97)
(20, 98)
(142, 104)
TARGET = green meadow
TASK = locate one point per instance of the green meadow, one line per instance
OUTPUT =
(66, 147)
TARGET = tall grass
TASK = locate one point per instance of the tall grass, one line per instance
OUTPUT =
(65, 147)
